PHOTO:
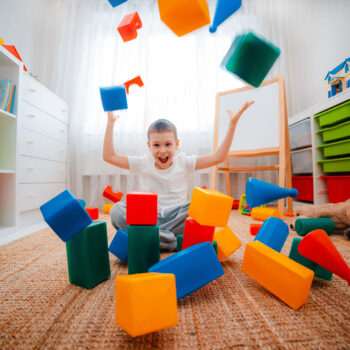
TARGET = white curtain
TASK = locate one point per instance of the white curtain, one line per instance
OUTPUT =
(181, 77)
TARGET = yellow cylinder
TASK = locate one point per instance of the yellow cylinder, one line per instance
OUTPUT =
(260, 213)
(107, 208)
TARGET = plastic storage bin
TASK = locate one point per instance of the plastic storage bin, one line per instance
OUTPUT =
(305, 187)
(300, 134)
(302, 161)
(338, 188)
(336, 165)
(334, 115)
(334, 149)
(337, 132)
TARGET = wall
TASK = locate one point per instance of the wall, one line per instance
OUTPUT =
(33, 27)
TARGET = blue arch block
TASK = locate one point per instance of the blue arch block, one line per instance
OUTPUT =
(260, 192)
(193, 267)
(224, 9)
(273, 233)
(113, 98)
(115, 3)
(65, 215)
(119, 245)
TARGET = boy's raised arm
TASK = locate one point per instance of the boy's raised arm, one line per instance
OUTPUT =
(220, 154)
(109, 154)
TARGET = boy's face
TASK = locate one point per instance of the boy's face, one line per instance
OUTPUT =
(163, 146)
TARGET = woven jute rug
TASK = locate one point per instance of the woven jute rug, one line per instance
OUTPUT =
(40, 309)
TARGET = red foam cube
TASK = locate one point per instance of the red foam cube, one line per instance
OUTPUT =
(254, 229)
(129, 25)
(141, 208)
(195, 233)
(93, 212)
(114, 197)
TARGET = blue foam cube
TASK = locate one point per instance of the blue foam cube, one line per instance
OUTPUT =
(119, 245)
(82, 202)
(273, 233)
(65, 215)
(113, 98)
(193, 267)
(115, 3)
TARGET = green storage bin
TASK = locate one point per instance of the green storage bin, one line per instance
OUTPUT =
(337, 132)
(334, 149)
(339, 113)
(337, 165)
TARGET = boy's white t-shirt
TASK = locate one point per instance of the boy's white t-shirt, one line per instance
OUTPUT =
(171, 184)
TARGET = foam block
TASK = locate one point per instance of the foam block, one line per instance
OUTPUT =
(193, 268)
(141, 208)
(250, 58)
(210, 208)
(143, 248)
(195, 233)
(260, 192)
(128, 26)
(179, 239)
(273, 233)
(224, 9)
(82, 202)
(119, 245)
(283, 277)
(93, 212)
(227, 242)
(65, 215)
(145, 302)
(107, 208)
(318, 270)
(113, 98)
(87, 256)
(254, 229)
(135, 81)
(305, 225)
(115, 3)
(184, 16)
(262, 214)
(113, 196)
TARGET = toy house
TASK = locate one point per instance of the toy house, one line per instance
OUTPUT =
(338, 79)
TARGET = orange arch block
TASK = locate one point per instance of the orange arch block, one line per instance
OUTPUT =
(184, 16)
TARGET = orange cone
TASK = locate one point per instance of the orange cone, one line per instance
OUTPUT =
(318, 247)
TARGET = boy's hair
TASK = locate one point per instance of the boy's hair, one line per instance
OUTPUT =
(162, 125)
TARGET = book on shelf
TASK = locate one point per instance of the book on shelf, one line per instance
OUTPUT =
(13, 99)
(5, 91)
(10, 103)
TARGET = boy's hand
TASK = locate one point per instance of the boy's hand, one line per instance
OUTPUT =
(112, 117)
(234, 117)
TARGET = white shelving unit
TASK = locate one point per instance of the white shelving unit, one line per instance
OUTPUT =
(33, 151)
(319, 184)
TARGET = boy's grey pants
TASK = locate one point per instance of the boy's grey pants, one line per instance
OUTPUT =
(171, 222)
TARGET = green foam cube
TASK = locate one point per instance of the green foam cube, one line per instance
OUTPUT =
(87, 256)
(250, 58)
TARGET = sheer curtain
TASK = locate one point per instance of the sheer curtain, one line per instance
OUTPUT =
(181, 77)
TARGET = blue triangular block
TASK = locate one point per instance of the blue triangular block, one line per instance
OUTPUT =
(224, 9)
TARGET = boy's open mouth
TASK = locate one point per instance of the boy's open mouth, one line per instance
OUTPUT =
(163, 159)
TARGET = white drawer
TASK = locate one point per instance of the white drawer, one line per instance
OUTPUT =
(32, 196)
(33, 119)
(302, 161)
(300, 134)
(33, 170)
(36, 145)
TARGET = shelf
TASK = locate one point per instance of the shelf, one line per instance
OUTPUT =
(5, 171)
(7, 59)
(7, 114)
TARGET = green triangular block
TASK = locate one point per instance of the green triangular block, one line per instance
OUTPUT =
(87, 256)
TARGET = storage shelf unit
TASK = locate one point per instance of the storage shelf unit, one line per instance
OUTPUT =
(320, 192)
(33, 150)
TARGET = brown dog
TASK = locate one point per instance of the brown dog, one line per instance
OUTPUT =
(338, 212)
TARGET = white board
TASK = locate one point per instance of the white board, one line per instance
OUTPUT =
(259, 125)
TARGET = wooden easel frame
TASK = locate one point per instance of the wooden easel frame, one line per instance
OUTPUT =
(284, 161)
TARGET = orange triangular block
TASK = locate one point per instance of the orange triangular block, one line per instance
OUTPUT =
(318, 247)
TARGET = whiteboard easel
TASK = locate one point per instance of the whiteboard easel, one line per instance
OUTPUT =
(262, 130)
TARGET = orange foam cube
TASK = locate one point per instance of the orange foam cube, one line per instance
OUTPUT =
(145, 302)
(262, 213)
(107, 208)
(283, 277)
(184, 16)
(210, 208)
(227, 242)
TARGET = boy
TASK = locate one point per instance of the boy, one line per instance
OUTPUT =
(166, 172)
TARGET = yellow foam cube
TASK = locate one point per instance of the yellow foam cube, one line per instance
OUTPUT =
(227, 242)
(184, 16)
(283, 277)
(107, 208)
(261, 213)
(145, 302)
(210, 208)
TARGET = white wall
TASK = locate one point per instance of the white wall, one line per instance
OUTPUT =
(319, 40)
(33, 27)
